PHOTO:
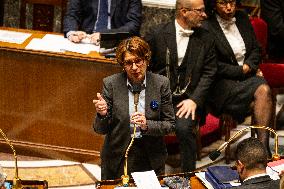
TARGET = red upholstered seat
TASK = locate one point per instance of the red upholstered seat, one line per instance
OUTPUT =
(260, 30)
(206, 134)
(211, 125)
(273, 73)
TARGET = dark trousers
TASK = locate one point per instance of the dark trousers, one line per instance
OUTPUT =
(186, 135)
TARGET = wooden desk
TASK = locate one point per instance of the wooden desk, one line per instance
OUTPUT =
(111, 184)
(46, 101)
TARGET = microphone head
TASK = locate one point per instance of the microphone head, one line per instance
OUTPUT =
(214, 155)
(275, 157)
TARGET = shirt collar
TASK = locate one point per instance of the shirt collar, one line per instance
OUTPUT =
(225, 23)
(255, 176)
(128, 82)
(181, 31)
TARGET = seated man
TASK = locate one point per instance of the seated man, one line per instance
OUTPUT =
(95, 16)
(251, 162)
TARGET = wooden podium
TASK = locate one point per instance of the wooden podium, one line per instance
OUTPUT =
(111, 184)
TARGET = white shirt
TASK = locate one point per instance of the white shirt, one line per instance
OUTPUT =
(234, 38)
(182, 41)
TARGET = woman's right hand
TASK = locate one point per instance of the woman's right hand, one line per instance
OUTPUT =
(101, 105)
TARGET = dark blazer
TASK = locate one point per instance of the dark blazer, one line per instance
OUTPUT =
(272, 12)
(126, 16)
(263, 182)
(116, 126)
(228, 67)
(199, 61)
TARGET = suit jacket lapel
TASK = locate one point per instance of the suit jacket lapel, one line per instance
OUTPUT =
(123, 95)
(170, 38)
(113, 6)
(220, 36)
(243, 29)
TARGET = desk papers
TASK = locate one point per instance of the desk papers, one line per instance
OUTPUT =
(146, 180)
(57, 43)
(13, 37)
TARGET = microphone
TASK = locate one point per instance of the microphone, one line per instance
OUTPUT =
(16, 181)
(216, 153)
(135, 89)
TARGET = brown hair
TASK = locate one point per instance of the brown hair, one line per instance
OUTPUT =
(135, 46)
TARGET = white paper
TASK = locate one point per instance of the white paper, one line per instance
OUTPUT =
(201, 176)
(13, 37)
(57, 43)
(41, 45)
(146, 180)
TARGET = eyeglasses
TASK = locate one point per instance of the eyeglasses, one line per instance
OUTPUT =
(137, 61)
(199, 11)
(224, 3)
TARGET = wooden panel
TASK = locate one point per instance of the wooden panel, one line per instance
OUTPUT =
(47, 99)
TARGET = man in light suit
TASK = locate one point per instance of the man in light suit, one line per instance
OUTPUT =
(251, 162)
(116, 114)
(85, 17)
(239, 89)
(184, 52)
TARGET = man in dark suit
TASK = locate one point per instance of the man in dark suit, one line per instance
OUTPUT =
(239, 88)
(94, 16)
(116, 114)
(251, 162)
(272, 12)
(184, 52)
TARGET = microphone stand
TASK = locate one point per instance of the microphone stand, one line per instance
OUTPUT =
(16, 181)
(125, 177)
(216, 153)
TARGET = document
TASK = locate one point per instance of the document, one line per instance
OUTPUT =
(13, 37)
(146, 180)
(57, 43)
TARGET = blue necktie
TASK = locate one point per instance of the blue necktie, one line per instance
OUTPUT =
(102, 21)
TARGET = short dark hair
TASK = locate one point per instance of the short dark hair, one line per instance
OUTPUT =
(133, 45)
(252, 153)
(211, 4)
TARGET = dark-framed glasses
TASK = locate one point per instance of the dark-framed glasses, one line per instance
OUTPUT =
(199, 11)
(137, 61)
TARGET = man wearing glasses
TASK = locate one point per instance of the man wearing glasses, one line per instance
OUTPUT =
(184, 52)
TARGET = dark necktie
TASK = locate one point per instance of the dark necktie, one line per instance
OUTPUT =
(102, 21)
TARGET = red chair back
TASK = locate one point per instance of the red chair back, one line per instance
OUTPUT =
(273, 73)
(260, 30)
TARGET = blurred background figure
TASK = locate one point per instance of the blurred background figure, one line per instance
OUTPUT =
(239, 88)
(184, 52)
(86, 19)
(272, 12)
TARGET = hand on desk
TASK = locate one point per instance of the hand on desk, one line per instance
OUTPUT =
(77, 36)
(80, 36)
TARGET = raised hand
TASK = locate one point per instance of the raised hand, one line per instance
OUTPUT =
(101, 105)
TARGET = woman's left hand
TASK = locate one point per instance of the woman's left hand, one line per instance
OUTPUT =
(139, 119)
